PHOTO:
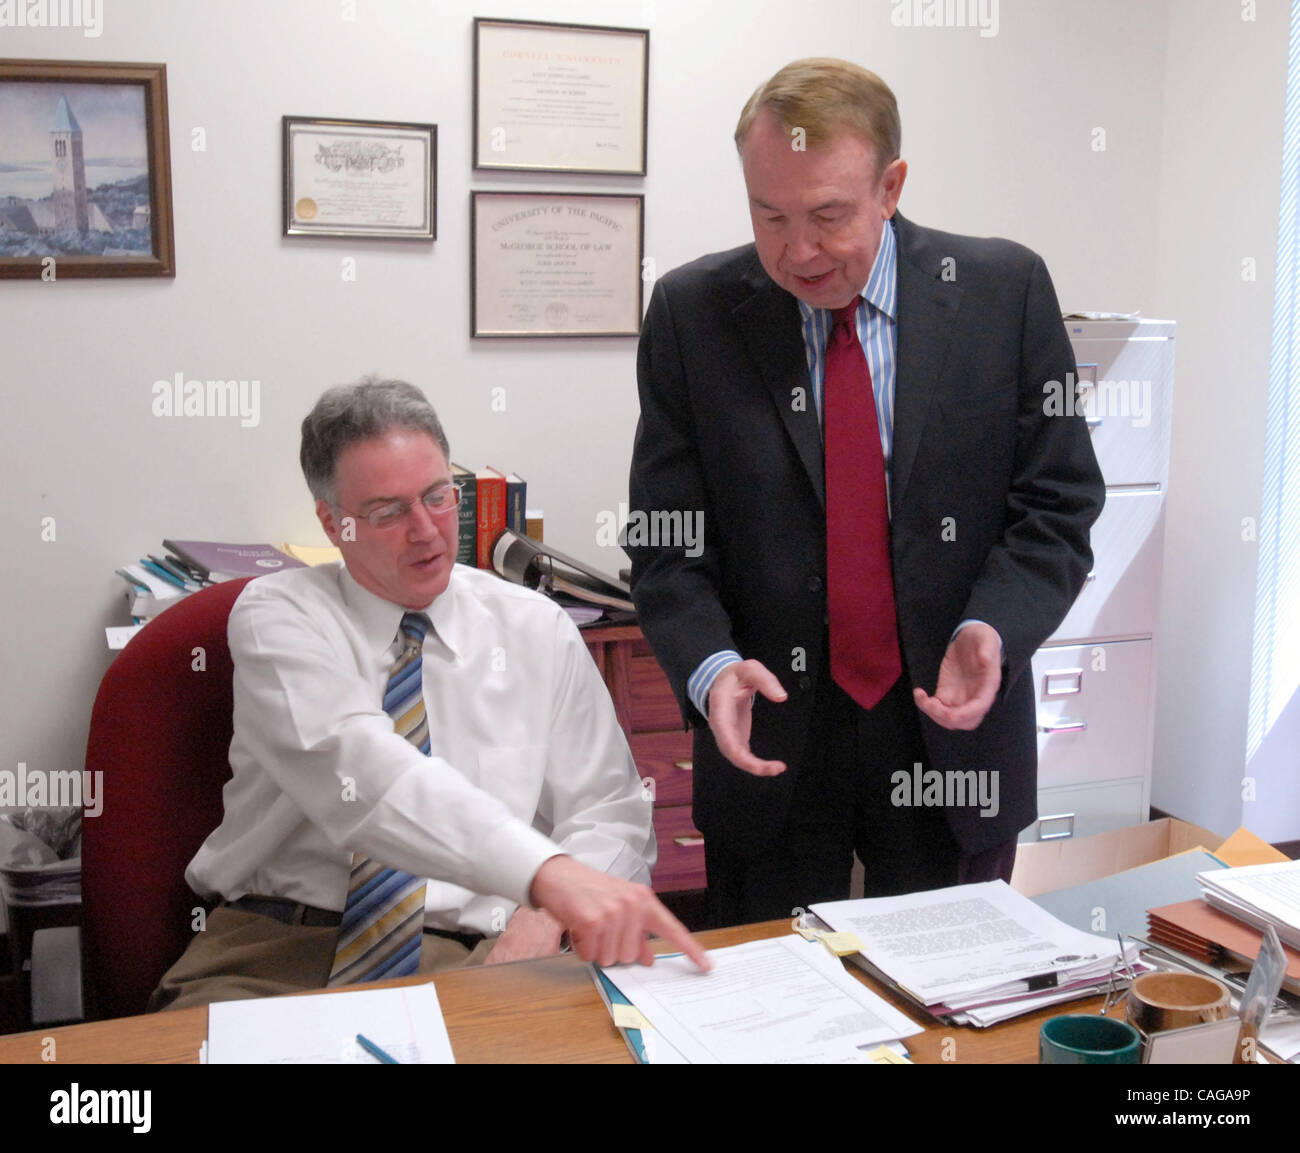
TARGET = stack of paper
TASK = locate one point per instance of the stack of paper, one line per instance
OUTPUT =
(1260, 895)
(977, 954)
(781, 1001)
(322, 1028)
(1209, 936)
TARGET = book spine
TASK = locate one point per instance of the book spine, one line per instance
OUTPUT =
(491, 516)
(516, 506)
(467, 522)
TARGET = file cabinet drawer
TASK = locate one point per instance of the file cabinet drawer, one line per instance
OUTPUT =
(1094, 708)
(1125, 391)
(1122, 598)
(1080, 812)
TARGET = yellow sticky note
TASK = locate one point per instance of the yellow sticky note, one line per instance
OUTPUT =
(884, 1055)
(842, 944)
(629, 1017)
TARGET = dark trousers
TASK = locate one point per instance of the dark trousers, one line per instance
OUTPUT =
(842, 806)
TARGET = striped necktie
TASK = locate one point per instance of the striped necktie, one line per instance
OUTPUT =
(383, 919)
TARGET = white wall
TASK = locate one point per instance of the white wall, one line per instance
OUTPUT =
(998, 131)
(1219, 191)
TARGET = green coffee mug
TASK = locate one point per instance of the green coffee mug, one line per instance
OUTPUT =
(1088, 1040)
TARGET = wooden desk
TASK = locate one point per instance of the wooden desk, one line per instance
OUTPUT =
(531, 1011)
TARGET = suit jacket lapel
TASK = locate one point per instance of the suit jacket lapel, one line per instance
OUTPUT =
(769, 323)
(927, 307)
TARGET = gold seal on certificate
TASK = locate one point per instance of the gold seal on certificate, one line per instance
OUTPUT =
(359, 178)
(556, 264)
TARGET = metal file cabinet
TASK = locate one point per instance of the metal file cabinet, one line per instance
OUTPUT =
(1095, 678)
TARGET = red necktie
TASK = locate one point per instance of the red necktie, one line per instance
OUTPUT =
(860, 586)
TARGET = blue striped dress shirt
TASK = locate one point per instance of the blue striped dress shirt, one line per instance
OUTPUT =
(877, 325)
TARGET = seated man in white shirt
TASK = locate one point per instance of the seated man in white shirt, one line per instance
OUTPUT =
(510, 811)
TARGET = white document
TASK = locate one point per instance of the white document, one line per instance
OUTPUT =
(160, 589)
(322, 1028)
(1259, 895)
(782, 1001)
(1282, 1036)
(118, 635)
(969, 943)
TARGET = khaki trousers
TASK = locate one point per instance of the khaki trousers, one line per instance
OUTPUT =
(240, 955)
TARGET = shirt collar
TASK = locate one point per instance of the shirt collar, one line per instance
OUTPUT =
(379, 619)
(881, 289)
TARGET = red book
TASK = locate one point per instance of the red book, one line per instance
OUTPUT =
(491, 513)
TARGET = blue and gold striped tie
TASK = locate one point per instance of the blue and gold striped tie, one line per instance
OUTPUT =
(383, 919)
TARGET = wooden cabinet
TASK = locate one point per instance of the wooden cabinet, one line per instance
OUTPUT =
(648, 712)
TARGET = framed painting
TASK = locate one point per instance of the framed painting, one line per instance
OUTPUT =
(85, 170)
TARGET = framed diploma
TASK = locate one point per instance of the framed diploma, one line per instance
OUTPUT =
(560, 97)
(360, 178)
(555, 264)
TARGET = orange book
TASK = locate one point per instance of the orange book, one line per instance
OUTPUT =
(491, 513)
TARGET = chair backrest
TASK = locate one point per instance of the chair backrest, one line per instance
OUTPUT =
(160, 733)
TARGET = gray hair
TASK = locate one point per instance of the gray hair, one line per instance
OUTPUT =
(350, 413)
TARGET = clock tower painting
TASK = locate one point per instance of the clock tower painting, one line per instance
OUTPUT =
(71, 211)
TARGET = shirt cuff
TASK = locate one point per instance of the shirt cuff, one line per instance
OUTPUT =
(511, 856)
(701, 680)
(976, 621)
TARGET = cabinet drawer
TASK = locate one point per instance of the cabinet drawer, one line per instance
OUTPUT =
(1122, 596)
(1125, 390)
(681, 850)
(652, 706)
(1080, 812)
(1094, 708)
(665, 757)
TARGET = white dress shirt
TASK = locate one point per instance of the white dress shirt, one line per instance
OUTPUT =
(528, 759)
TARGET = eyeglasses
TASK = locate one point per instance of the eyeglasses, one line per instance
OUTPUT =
(442, 498)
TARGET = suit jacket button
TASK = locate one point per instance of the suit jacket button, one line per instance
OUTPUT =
(814, 583)
(805, 683)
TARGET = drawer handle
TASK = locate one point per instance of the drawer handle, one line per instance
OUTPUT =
(1069, 832)
(1062, 682)
(1064, 725)
(688, 842)
(685, 766)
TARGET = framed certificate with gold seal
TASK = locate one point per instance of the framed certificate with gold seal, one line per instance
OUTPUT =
(360, 178)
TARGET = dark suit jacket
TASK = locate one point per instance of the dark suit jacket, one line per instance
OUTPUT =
(991, 501)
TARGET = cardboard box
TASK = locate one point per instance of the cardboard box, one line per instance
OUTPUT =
(1045, 866)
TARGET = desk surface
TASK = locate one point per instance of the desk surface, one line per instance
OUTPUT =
(530, 1011)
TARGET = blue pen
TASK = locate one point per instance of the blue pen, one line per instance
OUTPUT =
(375, 1051)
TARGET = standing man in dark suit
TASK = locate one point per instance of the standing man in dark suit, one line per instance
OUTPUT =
(893, 522)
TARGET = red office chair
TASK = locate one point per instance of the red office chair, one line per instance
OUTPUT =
(160, 732)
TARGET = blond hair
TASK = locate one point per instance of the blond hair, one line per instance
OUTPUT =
(824, 96)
